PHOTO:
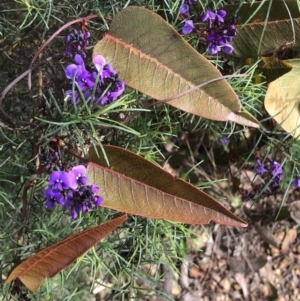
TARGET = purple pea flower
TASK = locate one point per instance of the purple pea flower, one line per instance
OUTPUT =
(50, 159)
(277, 173)
(74, 213)
(79, 172)
(98, 200)
(61, 180)
(227, 48)
(221, 15)
(224, 140)
(208, 16)
(77, 42)
(212, 17)
(111, 95)
(109, 86)
(77, 72)
(259, 168)
(297, 182)
(53, 197)
(228, 33)
(99, 62)
(188, 27)
(219, 32)
(213, 48)
(70, 190)
(185, 9)
(277, 170)
(50, 203)
(83, 199)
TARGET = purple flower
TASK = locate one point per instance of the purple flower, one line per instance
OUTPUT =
(69, 203)
(219, 32)
(208, 16)
(213, 48)
(50, 159)
(98, 200)
(277, 169)
(259, 168)
(77, 42)
(109, 86)
(221, 15)
(224, 140)
(277, 173)
(70, 190)
(74, 213)
(297, 182)
(99, 62)
(50, 203)
(61, 180)
(53, 197)
(188, 27)
(77, 72)
(79, 172)
(113, 93)
(227, 48)
(83, 199)
(185, 10)
(108, 73)
(211, 17)
(228, 32)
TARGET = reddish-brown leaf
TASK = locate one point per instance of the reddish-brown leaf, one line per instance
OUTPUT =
(134, 185)
(50, 261)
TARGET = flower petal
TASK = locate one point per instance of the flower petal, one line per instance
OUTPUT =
(99, 62)
(188, 27)
(71, 71)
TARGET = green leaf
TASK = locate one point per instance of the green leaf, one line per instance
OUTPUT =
(265, 27)
(282, 99)
(134, 185)
(50, 261)
(154, 59)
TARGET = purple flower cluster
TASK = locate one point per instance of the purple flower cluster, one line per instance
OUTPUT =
(101, 87)
(274, 173)
(220, 32)
(77, 42)
(69, 190)
(50, 160)
(277, 174)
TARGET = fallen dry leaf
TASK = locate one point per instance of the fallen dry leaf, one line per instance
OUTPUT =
(289, 239)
